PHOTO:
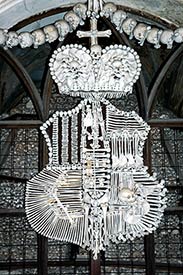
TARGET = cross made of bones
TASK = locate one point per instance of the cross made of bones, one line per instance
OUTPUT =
(93, 34)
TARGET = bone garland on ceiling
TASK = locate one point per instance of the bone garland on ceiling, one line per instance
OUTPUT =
(123, 22)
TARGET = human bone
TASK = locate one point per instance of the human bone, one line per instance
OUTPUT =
(51, 33)
(38, 37)
(12, 39)
(140, 32)
(113, 69)
(73, 19)
(63, 29)
(108, 10)
(3, 36)
(25, 39)
(153, 37)
(167, 38)
(65, 203)
(118, 17)
(96, 51)
(128, 26)
(178, 35)
(81, 10)
(82, 196)
(125, 194)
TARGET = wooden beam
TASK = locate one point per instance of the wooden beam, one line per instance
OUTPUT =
(166, 123)
(149, 254)
(12, 212)
(95, 266)
(20, 124)
(149, 239)
(12, 179)
(174, 210)
(42, 253)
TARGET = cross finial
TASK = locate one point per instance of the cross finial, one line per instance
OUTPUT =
(93, 34)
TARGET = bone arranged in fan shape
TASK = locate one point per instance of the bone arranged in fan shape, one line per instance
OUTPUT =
(136, 205)
(53, 205)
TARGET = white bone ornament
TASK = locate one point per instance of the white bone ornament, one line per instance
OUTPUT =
(178, 35)
(63, 28)
(51, 33)
(25, 39)
(95, 188)
(117, 18)
(167, 37)
(140, 32)
(108, 10)
(128, 26)
(12, 39)
(38, 38)
(75, 201)
(153, 37)
(3, 36)
(72, 19)
(81, 10)
(74, 70)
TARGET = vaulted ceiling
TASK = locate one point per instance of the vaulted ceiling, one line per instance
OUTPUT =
(168, 10)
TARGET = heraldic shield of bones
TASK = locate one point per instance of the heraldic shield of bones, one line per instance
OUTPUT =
(95, 188)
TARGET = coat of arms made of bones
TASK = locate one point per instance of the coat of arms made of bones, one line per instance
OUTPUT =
(95, 188)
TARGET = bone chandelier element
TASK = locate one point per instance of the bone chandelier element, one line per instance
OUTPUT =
(95, 188)
(77, 70)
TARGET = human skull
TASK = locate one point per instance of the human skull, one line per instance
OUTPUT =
(108, 10)
(117, 66)
(39, 38)
(167, 38)
(51, 33)
(25, 39)
(118, 17)
(178, 35)
(126, 195)
(140, 32)
(12, 39)
(73, 19)
(96, 51)
(153, 37)
(63, 29)
(128, 26)
(81, 10)
(3, 36)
